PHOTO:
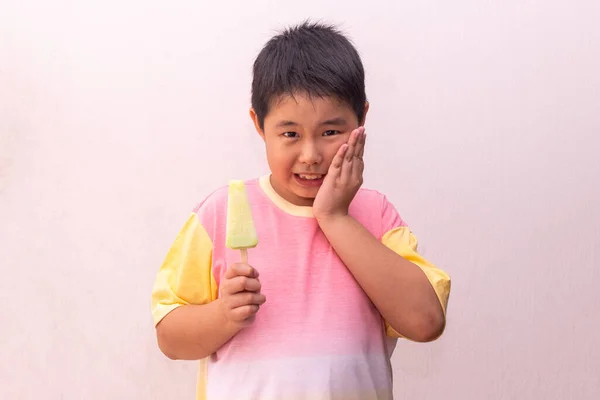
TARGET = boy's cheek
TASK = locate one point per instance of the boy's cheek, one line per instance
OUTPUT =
(276, 156)
(332, 151)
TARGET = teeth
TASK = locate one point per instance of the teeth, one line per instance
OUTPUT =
(310, 176)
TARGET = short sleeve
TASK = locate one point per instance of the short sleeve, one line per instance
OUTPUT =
(397, 236)
(185, 276)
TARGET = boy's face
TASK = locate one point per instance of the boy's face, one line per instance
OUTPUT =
(302, 135)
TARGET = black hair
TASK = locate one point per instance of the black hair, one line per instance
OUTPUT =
(311, 58)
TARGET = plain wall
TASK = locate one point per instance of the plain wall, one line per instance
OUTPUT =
(117, 117)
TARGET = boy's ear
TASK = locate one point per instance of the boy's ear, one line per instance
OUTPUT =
(362, 123)
(254, 118)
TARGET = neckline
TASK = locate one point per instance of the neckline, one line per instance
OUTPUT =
(287, 207)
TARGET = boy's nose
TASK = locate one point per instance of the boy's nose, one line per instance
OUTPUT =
(310, 154)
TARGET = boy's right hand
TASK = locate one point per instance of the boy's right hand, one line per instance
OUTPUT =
(240, 294)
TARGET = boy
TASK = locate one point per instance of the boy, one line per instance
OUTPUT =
(335, 278)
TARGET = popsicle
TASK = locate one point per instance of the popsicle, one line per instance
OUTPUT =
(241, 233)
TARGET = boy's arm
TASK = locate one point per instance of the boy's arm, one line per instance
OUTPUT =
(184, 306)
(398, 288)
(192, 320)
(193, 332)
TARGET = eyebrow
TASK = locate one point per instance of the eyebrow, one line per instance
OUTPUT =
(283, 124)
(333, 121)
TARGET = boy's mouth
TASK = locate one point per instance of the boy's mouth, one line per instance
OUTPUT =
(309, 180)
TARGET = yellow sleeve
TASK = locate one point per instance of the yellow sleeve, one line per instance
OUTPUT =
(185, 276)
(402, 241)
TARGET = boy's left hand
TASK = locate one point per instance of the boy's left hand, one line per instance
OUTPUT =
(344, 178)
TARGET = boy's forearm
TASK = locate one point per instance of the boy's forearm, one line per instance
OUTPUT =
(398, 288)
(193, 332)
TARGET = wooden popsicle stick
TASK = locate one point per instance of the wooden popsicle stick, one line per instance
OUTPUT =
(244, 253)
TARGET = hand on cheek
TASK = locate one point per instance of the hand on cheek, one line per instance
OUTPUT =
(344, 178)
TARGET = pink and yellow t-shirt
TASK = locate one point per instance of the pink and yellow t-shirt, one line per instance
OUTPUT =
(318, 336)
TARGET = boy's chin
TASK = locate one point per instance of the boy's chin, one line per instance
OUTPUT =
(305, 195)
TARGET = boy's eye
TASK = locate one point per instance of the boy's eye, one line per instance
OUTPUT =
(290, 134)
(330, 133)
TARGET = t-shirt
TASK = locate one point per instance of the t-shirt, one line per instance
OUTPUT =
(318, 336)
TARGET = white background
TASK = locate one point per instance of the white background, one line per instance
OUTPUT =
(117, 117)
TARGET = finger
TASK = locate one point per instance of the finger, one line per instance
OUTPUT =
(244, 312)
(357, 172)
(338, 159)
(250, 284)
(240, 284)
(235, 285)
(352, 143)
(359, 166)
(246, 298)
(240, 269)
(356, 169)
(353, 146)
(361, 145)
